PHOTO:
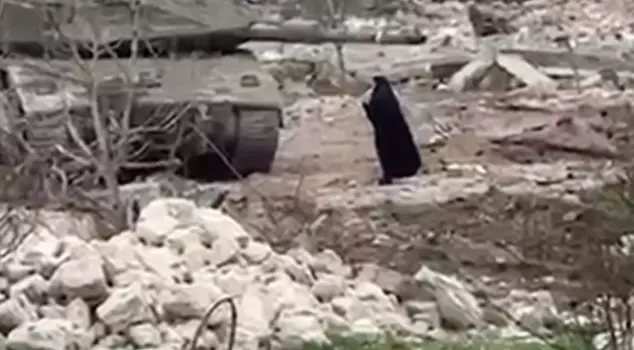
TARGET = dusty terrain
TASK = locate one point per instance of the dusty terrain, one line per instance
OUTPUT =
(469, 218)
(495, 194)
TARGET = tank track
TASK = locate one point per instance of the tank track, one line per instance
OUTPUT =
(256, 140)
(44, 132)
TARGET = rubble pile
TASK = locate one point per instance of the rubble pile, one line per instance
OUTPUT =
(149, 287)
(511, 44)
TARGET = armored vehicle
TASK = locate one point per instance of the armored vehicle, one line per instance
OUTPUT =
(166, 76)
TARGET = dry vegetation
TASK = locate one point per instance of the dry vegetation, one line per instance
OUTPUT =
(592, 251)
(75, 159)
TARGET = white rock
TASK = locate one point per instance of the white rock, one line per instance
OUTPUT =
(283, 293)
(455, 303)
(334, 323)
(120, 255)
(342, 305)
(78, 312)
(233, 279)
(178, 208)
(75, 248)
(144, 335)
(330, 262)
(112, 341)
(147, 279)
(47, 334)
(16, 271)
(127, 262)
(246, 340)
(368, 291)
(296, 269)
(168, 266)
(40, 252)
(183, 238)
(272, 264)
(387, 279)
(365, 326)
(154, 232)
(207, 340)
(83, 278)
(34, 287)
(533, 317)
(252, 303)
(165, 347)
(169, 335)
(4, 285)
(368, 302)
(515, 334)
(302, 255)
(187, 301)
(125, 306)
(197, 257)
(224, 250)
(297, 327)
(328, 287)
(98, 330)
(423, 313)
(256, 252)
(51, 310)
(534, 310)
(14, 312)
(217, 224)
(545, 302)
(604, 341)
(394, 323)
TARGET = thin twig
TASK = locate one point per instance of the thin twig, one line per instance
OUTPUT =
(203, 322)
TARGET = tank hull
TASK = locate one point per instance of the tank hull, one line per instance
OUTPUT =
(225, 106)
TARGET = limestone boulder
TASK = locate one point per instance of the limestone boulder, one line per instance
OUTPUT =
(16, 311)
(48, 334)
(34, 287)
(125, 307)
(456, 304)
(296, 327)
(144, 335)
(80, 278)
(188, 301)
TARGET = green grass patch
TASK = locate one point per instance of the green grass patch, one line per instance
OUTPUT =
(388, 342)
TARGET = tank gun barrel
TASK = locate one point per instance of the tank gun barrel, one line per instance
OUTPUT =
(314, 34)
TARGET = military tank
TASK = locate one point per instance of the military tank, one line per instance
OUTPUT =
(176, 63)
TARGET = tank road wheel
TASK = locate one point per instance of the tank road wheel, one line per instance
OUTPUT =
(256, 141)
(11, 150)
(247, 137)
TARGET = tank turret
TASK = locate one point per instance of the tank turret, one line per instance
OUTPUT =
(165, 27)
(312, 33)
(188, 63)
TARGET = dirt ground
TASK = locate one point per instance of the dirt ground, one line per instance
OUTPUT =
(328, 154)
(496, 198)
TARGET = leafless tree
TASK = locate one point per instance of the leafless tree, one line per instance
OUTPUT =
(68, 154)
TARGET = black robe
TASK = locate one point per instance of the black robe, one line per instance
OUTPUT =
(395, 146)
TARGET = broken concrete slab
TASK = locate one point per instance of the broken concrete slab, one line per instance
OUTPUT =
(568, 72)
(432, 65)
(552, 61)
(497, 79)
(470, 75)
(560, 57)
(525, 72)
(559, 180)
